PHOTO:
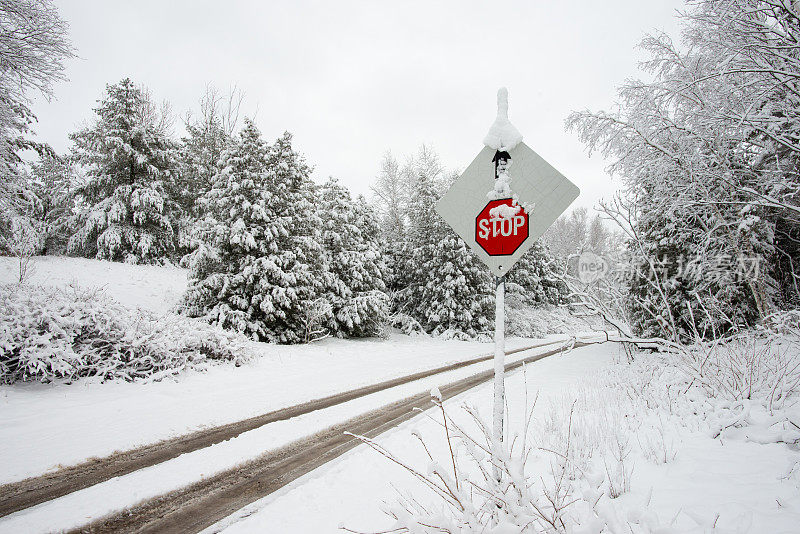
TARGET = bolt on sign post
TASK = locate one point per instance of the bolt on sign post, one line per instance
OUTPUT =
(500, 205)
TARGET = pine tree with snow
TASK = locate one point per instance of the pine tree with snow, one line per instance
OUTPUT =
(199, 159)
(534, 279)
(298, 250)
(235, 218)
(200, 153)
(260, 269)
(449, 291)
(356, 291)
(127, 159)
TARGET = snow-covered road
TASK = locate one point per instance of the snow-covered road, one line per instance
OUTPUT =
(44, 426)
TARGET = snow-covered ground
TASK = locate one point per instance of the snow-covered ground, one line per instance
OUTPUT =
(705, 484)
(349, 491)
(80, 507)
(738, 485)
(733, 485)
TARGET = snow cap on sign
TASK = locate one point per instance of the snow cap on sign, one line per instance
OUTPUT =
(503, 135)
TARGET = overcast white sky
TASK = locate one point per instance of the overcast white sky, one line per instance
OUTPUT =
(352, 79)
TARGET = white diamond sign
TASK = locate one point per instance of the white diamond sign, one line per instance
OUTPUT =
(542, 191)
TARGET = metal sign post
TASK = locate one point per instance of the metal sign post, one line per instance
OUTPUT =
(499, 355)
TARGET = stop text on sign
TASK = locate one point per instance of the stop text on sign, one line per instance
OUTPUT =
(501, 235)
(501, 226)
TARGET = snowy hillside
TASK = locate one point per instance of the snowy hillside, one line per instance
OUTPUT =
(149, 287)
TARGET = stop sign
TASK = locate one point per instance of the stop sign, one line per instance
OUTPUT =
(501, 236)
(545, 191)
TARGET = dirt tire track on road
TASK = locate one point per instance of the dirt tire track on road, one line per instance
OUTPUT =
(36, 490)
(200, 505)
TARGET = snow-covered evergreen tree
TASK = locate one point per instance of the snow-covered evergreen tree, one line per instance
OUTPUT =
(199, 159)
(208, 134)
(261, 268)
(127, 159)
(356, 292)
(449, 290)
(392, 195)
(534, 279)
(235, 217)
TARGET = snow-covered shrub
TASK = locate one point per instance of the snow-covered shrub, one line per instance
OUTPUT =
(48, 334)
(746, 387)
(515, 486)
(745, 367)
(749, 389)
(406, 324)
(313, 318)
(657, 443)
(783, 323)
(22, 243)
(598, 423)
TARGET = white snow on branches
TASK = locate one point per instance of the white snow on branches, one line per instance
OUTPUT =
(48, 334)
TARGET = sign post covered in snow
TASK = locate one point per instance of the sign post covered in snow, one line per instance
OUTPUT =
(500, 218)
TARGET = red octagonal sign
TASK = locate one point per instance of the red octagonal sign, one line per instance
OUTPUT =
(500, 236)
